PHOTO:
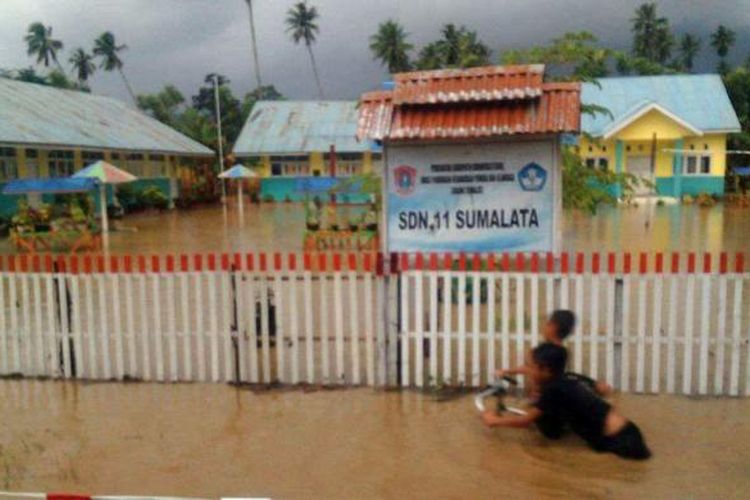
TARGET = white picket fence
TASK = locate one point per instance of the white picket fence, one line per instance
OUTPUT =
(366, 323)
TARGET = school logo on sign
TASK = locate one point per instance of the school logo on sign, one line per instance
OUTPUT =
(532, 177)
(405, 179)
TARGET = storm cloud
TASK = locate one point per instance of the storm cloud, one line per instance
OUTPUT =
(180, 41)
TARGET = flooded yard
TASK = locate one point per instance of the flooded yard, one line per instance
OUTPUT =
(279, 227)
(358, 443)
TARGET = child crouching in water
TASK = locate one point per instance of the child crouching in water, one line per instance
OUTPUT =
(566, 402)
(558, 327)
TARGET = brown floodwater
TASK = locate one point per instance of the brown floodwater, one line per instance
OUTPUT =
(279, 227)
(211, 440)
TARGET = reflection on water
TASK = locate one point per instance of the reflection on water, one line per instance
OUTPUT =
(279, 227)
(141, 439)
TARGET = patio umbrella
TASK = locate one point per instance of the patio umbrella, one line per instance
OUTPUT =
(238, 172)
(105, 173)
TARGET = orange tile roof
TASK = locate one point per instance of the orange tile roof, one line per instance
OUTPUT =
(491, 83)
(477, 112)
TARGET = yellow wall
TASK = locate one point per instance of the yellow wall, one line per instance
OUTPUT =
(318, 164)
(654, 121)
(637, 141)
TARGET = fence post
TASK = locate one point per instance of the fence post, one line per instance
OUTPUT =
(392, 320)
(618, 332)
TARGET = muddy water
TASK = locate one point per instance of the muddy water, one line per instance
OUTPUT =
(280, 227)
(211, 440)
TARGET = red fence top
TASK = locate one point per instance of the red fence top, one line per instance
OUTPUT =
(378, 263)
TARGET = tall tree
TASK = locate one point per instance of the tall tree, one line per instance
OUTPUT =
(231, 110)
(690, 45)
(253, 40)
(458, 48)
(722, 41)
(576, 56)
(652, 36)
(164, 106)
(390, 47)
(301, 24)
(106, 47)
(39, 43)
(83, 65)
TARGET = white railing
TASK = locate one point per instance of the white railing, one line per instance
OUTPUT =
(367, 320)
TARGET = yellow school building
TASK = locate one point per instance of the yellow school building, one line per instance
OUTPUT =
(49, 132)
(670, 130)
(286, 142)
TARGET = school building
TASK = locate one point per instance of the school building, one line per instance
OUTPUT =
(50, 132)
(671, 130)
(286, 142)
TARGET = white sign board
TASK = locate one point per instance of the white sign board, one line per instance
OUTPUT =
(472, 198)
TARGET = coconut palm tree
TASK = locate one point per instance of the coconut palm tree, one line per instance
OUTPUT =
(258, 80)
(106, 47)
(652, 36)
(690, 45)
(300, 22)
(722, 40)
(389, 45)
(83, 65)
(40, 43)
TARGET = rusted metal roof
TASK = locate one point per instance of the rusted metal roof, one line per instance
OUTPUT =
(556, 109)
(491, 83)
(289, 127)
(36, 114)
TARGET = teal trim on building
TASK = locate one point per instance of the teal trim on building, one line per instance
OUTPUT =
(9, 203)
(285, 189)
(619, 166)
(690, 184)
(679, 145)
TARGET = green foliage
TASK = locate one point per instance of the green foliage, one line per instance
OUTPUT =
(301, 24)
(722, 40)
(690, 46)
(390, 47)
(165, 105)
(39, 43)
(458, 48)
(586, 188)
(264, 93)
(573, 56)
(134, 200)
(83, 64)
(652, 35)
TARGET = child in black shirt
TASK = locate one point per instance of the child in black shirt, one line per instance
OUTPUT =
(565, 401)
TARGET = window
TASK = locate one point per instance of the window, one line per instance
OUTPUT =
(602, 163)
(134, 164)
(158, 166)
(347, 164)
(291, 165)
(32, 154)
(90, 157)
(8, 164)
(61, 163)
(697, 164)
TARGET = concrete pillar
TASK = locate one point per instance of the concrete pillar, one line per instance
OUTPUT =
(677, 166)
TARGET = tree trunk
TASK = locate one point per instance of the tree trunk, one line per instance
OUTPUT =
(127, 84)
(258, 79)
(315, 71)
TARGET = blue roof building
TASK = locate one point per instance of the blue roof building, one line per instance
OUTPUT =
(670, 130)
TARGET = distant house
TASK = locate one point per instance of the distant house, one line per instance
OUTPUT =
(50, 132)
(288, 140)
(671, 130)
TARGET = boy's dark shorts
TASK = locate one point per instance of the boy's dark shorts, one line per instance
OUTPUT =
(628, 443)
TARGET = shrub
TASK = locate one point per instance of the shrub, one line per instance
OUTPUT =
(687, 199)
(153, 197)
(268, 198)
(705, 200)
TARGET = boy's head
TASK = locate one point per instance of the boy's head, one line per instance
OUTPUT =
(559, 325)
(548, 362)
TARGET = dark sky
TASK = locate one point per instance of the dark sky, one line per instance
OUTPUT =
(179, 41)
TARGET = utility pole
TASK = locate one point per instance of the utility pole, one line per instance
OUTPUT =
(218, 129)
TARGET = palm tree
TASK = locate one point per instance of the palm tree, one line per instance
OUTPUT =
(106, 47)
(652, 37)
(83, 64)
(300, 22)
(722, 40)
(259, 82)
(690, 45)
(389, 45)
(39, 42)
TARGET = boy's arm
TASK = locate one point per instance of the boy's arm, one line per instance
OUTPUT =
(491, 419)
